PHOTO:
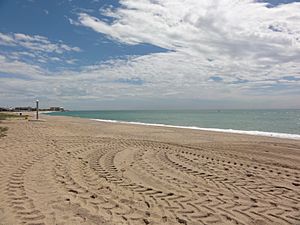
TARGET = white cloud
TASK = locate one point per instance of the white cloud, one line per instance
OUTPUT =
(243, 43)
(35, 43)
(6, 40)
(231, 33)
(225, 28)
(158, 76)
(218, 50)
(29, 54)
(18, 67)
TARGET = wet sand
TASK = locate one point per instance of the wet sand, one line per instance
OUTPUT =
(76, 171)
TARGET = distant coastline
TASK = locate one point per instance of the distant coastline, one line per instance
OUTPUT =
(32, 109)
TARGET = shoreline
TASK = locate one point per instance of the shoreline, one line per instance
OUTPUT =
(221, 130)
(230, 131)
(267, 134)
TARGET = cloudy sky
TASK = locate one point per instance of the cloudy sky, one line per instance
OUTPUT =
(150, 54)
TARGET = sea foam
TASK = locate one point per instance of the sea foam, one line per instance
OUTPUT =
(257, 133)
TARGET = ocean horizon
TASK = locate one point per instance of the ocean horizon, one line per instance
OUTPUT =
(281, 123)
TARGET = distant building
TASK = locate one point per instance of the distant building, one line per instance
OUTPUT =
(57, 109)
(28, 108)
(2, 109)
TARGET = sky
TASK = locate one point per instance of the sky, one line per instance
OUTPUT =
(150, 54)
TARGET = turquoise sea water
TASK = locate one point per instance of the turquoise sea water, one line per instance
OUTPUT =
(277, 121)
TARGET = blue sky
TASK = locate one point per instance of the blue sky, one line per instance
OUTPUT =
(150, 54)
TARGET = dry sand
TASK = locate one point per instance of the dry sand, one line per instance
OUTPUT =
(76, 171)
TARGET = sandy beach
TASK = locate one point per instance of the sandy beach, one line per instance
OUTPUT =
(72, 171)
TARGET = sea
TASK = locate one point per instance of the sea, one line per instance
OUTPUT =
(281, 123)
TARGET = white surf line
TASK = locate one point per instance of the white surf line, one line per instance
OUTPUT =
(46, 112)
(256, 133)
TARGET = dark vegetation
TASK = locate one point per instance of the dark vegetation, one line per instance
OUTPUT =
(4, 116)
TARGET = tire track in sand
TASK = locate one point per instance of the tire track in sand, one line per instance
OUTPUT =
(125, 181)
